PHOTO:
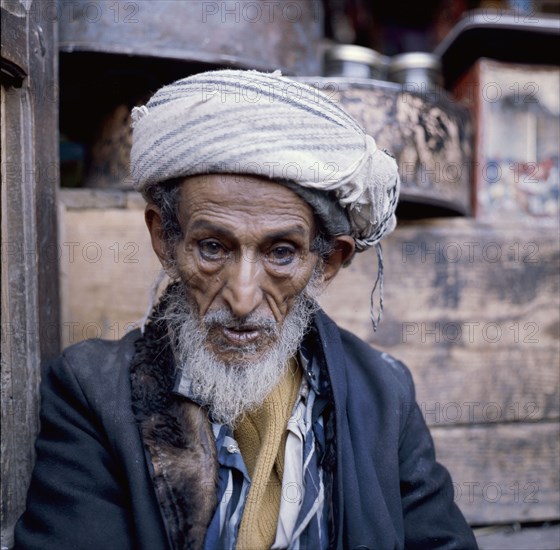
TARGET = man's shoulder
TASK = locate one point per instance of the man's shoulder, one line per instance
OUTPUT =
(366, 364)
(377, 363)
(98, 349)
(95, 362)
(356, 346)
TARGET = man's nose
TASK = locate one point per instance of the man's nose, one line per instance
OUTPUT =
(242, 290)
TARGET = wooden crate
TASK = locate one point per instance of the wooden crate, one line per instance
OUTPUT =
(107, 264)
(473, 309)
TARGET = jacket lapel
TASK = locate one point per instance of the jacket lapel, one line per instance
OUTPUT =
(178, 441)
(365, 518)
(331, 348)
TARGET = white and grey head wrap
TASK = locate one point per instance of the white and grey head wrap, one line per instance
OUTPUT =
(248, 122)
(235, 121)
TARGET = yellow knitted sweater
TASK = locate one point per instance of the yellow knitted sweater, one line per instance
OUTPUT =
(261, 436)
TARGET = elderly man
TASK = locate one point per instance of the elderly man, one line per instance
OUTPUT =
(242, 416)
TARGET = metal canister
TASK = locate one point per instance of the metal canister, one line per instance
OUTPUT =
(419, 70)
(353, 61)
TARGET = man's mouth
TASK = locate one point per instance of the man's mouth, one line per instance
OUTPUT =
(241, 336)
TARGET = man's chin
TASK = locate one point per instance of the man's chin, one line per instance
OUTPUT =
(238, 356)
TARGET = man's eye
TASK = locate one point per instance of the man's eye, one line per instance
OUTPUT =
(212, 250)
(281, 255)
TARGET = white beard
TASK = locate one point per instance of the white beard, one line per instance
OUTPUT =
(229, 389)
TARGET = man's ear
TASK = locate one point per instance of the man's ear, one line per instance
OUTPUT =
(152, 215)
(344, 247)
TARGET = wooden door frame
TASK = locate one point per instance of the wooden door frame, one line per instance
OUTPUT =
(29, 276)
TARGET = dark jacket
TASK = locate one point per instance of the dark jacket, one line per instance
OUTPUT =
(92, 485)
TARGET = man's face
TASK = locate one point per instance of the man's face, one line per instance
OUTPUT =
(244, 258)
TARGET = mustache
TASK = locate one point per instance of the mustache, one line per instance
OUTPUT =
(223, 318)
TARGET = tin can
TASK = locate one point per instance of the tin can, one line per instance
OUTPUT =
(353, 61)
(416, 70)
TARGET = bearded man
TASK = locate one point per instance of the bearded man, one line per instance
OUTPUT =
(242, 416)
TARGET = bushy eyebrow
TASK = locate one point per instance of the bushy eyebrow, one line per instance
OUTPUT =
(212, 228)
(219, 230)
(286, 233)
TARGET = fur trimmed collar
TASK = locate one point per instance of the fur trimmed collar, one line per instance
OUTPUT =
(178, 439)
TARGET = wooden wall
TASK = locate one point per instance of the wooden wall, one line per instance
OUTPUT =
(107, 265)
(472, 308)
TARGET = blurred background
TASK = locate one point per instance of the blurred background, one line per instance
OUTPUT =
(464, 94)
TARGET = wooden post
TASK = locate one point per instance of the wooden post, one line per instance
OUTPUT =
(29, 277)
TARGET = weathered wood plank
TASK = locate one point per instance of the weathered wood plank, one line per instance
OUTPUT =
(44, 72)
(520, 538)
(30, 310)
(503, 473)
(93, 198)
(472, 308)
(455, 268)
(107, 268)
(20, 345)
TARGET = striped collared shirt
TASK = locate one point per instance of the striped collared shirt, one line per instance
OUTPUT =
(303, 517)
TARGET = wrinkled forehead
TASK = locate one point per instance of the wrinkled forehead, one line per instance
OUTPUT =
(242, 202)
(262, 196)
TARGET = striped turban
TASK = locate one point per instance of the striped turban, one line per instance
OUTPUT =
(234, 121)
